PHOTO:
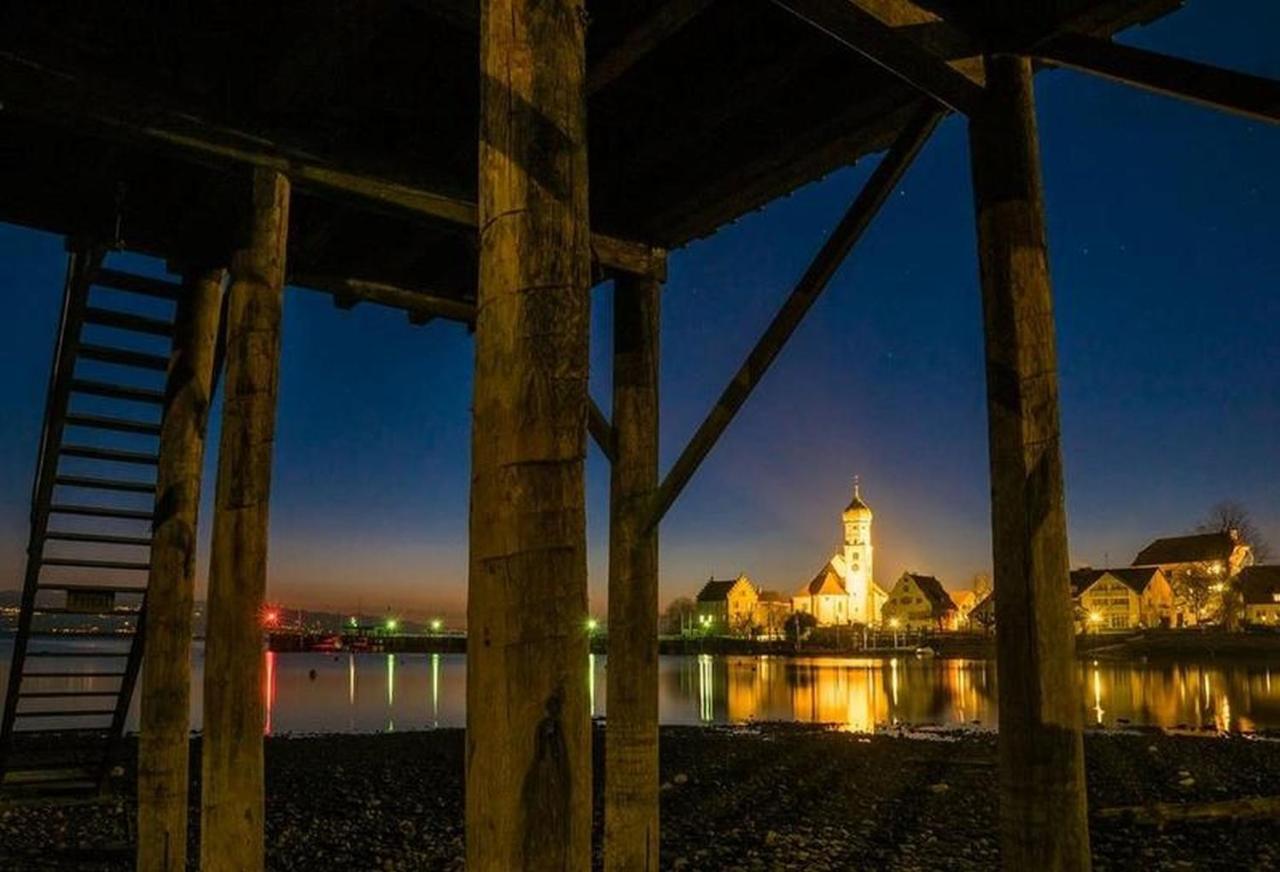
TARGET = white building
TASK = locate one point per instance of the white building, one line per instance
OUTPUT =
(844, 590)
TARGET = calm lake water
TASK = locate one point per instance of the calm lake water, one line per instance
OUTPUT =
(386, 692)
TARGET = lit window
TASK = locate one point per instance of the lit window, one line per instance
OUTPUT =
(1275, 597)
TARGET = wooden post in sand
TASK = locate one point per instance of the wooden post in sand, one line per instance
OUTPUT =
(528, 795)
(164, 737)
(231, 836)
(631, 737)
(1042, 789)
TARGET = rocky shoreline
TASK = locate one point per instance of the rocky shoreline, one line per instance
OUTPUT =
(757, 797)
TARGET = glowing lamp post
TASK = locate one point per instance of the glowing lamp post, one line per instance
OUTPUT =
(391, 625)
(893, 625)
(1095, 619)
(436, 625)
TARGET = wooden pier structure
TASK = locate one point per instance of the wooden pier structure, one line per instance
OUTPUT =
(489, 162)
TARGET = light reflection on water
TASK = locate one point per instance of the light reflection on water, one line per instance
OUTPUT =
(386, 692)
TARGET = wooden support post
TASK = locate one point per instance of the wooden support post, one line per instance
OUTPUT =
(1042, 788)
(164, 738)
(631, 738)
(231, 835)
(528, 794)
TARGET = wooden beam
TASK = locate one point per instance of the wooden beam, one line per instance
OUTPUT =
(1227, 90)
(601, 431)
(1043, 819)
(896, 52)
(631, 738)
(350, 291)
(528, 774)
(231, 830)
(38, 90)
(806, 292)
(164, 736)
(664, 21)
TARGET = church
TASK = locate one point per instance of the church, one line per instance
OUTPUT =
(844, 591)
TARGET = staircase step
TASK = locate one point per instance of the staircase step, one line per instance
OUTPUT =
(105, 422)
(64, 713)
(127, 321)
(65, 633)
(69, 694)
(96, 564)
(65, 655)
(83, 588)
(100, 538)
(123, 357)
(61, 730)
(36, 775)
(100, 511)
(30, 675)
(117, 392)
(117, 455)
(88, 481)
(134, 284)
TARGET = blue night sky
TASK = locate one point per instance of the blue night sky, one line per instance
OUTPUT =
(1163, 227)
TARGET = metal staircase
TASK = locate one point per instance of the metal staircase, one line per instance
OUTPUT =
(79, 642)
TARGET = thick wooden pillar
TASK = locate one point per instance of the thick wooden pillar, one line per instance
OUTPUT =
(1042, 803)
(528, 790)
(164, 738)
(232, 788)
(631, 738)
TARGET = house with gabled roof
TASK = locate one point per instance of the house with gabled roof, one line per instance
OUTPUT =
(1121, 598)
(919, 602)
(1260, 592)
(1199, 567)
(727, 606)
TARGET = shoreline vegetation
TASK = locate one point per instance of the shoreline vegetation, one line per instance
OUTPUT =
(753, 797)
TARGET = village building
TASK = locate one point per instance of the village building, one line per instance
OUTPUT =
(727, 606)
(965, 601)
(1260, 593)
(919, 602)
(1223, 553)
(772, 610)
(844, 590)
(982, 617)
(1201, 561)
(1123, 598)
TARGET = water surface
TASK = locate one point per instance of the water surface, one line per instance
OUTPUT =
(388, 692)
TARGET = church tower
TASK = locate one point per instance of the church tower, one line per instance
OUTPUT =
(858, 559)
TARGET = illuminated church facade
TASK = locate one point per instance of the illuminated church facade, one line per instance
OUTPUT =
(844, 591)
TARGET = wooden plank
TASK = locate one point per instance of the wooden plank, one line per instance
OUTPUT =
(1206, 85)
(895, 51)
(806, 292)
(1043, 820)
(528, 790)
(61, 97)
(231, 827)
(631, 746)
(350, 291)
(1161, 813)
(164, 734)
(667, 19)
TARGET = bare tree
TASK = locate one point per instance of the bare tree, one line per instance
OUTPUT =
(1229, 515)
(981, 584)
(678, 614)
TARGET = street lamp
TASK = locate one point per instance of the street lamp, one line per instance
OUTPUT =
(893, 625)
(592, 624)
(436, 625)
(1095, 618)
(391, 625)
